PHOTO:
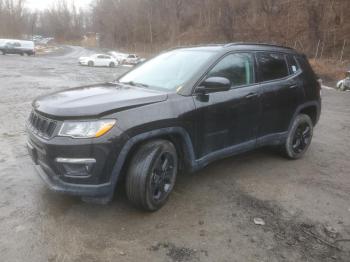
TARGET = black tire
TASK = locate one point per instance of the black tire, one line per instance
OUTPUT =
(299, 137)
(342, 87)
(152, 174)
(111, 64)
(22, 54)
(91, 63)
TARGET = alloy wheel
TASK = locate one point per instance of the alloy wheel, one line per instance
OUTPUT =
(301, 138)
(163, 177)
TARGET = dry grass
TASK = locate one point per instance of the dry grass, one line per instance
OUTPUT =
(330, 70)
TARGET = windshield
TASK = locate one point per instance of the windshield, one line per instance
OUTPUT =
(169, 70)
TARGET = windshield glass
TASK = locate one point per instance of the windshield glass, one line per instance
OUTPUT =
(169, 70)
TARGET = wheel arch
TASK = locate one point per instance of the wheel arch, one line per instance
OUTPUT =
(177, 135)
(312, 109)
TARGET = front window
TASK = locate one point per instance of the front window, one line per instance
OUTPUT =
(169, 70)
(238, 68)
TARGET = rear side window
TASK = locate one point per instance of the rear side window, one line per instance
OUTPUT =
(272, 66)
(238, 68)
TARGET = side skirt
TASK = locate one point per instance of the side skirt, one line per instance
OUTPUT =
(223, 153)
(272, 139)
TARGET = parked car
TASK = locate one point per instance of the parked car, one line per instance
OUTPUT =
(344, 84)
(98, 60)
(178, 111)
(118, 56)
(21, 47)
(132, 59)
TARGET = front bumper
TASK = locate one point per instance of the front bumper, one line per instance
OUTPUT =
(347, 83)
(50, 158)
(57, 185)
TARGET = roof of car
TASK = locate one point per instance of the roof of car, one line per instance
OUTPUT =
(240, 46)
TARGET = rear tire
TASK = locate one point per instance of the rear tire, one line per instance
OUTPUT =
(152, 174)
(90, 63)
(299, 137)
(111, 64)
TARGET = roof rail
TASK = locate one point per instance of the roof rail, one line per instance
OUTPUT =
(192, 46)
(261, 44)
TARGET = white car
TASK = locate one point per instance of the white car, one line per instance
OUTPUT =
(132, 59)
(344, 84)
(118, 56)
(98, 60)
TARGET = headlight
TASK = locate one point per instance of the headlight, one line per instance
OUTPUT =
(86, 129)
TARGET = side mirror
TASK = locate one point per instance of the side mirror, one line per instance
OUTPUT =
(214, 84)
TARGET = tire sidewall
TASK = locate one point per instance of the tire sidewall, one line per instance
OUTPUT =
(139, 174)
(300, 119)
(163, 148)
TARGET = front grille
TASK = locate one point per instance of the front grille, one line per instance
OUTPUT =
(347, 83)
(41, 126)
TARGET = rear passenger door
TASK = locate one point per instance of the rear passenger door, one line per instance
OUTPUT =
(281, 91)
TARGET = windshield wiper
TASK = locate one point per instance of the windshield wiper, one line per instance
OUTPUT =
(132, 83)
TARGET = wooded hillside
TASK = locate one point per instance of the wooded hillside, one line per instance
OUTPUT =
(316, 27)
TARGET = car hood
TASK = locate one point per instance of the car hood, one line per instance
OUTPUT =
(95, 100)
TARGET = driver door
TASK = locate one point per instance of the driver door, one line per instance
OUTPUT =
(229, 119)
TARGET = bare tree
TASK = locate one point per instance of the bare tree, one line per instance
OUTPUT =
(156, 24)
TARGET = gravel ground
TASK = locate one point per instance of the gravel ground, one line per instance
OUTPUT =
(305, 204)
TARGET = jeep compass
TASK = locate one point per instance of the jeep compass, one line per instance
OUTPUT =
(180, 110)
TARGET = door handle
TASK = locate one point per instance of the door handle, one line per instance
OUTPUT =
(251, 95)
(293, 86)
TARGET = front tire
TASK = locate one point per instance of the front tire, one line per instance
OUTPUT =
(90, 63)
(111, 64)
(299, 137)
(342, 87)
(152, 174)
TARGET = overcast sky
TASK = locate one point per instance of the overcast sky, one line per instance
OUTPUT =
(42, 4)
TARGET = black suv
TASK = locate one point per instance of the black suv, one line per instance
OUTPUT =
(180, 110)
